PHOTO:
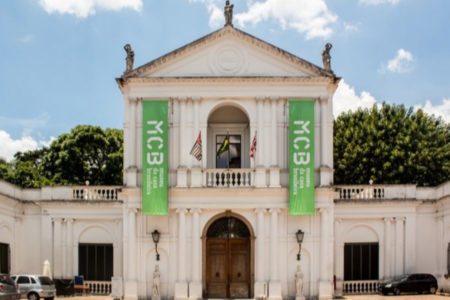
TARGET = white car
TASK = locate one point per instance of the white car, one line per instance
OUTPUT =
(35, 287)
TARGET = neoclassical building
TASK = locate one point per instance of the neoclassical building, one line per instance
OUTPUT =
(228, 221)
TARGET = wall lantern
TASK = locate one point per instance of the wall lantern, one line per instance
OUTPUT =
(300, 234)
(155, 237)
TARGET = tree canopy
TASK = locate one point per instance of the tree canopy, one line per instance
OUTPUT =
(392, 145)
(86, 153)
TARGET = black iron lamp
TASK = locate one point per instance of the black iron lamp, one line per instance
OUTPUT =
(299, 234)
(155, 237)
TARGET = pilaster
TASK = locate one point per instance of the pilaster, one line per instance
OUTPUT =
(181, 286)
(260, 284)
(195, 287)
(274, 284)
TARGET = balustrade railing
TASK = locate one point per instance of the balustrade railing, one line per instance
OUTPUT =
(228, 177)
(361, 192)
(96, 193)
(99, 287)
(361, 287)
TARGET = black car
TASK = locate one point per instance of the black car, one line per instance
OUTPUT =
(414, 283)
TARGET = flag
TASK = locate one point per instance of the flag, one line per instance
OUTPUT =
(225, 146)
(196, 150)
(253, 147)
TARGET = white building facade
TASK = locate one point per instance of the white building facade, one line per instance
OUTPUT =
(228, 232)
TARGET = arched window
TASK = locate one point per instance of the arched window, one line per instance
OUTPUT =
(228, 227)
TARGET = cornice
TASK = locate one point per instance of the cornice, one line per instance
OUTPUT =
(234, 80)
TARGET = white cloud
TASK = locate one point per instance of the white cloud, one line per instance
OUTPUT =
(346, 99)
(10, 146)
(85, 8)
(440, 110)
(402, 63)
(309, 17)
(351, 27)
(379, 2)
(26, 125)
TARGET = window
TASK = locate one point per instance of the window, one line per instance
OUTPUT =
(32, 280)
(23, 280)
(230, 158)
(448, 259)
(95, 261)
(4, 258)
(361, 261)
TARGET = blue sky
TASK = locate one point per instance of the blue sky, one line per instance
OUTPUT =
(59, 58)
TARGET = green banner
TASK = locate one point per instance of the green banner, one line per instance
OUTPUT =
(301, 157)
(155, 157)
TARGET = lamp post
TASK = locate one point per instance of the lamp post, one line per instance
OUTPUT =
(300, 234)
(155, 237)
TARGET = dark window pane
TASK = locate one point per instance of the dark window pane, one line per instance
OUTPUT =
(361, 261)
(23, 279)
(96, 261)
(4, 258)
(232, 157)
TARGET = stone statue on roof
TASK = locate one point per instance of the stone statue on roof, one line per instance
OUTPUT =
(326, 57)
(228, 12)
(129, 58)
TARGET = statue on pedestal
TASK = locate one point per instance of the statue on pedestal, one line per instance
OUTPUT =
(228, 12)
(129, 59)
(156, 290)
(299, 284)
(326, 57)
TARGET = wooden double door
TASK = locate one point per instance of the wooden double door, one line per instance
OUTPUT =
(228, 267)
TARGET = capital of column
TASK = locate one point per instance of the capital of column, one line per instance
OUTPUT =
(322, 100)
(274, 210)
(323, 210)
(195, 211)
(181, 211)
(134, 99)
(70, 220)
(132, 210)
(387, 219)
(261, 210)
(400, 219)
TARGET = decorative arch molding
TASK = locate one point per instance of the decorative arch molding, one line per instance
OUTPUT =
(224, 103)
(88, 227)
(364, 233)
(225, 214)
(5, 227)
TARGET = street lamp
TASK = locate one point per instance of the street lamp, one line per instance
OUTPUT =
(300, 234)
(155, 237)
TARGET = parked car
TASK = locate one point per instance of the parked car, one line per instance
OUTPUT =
(35, 287)
(8, 289)
(414, 283)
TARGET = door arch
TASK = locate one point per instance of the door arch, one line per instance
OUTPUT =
(228, 258)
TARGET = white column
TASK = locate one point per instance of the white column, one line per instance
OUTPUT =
(182, 145)
(274, 285)
(196, 126)
(440, 258)
(64, 248)
(133, 124)
(57, 248)
(274, 168)
(399, 246)
(326, 172)
(195, 287)
(69, 232)
(132, 244)
(325, 285)
(260, 139)
(338, 258)
(387, 247)
(410, 244)
(181, 287)
(260, 284)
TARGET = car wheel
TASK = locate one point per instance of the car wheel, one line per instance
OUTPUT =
(432, 290)
(33, 296)
(396, 291)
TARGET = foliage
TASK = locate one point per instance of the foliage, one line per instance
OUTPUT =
(392, 145)
(86, 153)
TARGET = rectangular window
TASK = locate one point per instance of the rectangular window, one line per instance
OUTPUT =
(4, 258)
(448, 259)
(230, 158)
(95, 261)
(360, 261)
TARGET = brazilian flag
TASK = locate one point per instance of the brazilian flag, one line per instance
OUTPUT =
(224, 147)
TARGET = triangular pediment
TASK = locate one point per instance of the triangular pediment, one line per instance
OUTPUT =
(228, 52)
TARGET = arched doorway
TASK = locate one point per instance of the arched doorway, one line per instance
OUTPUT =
(228, 259)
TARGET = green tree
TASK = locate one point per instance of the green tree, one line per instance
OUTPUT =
(391, 145)
(86, 153)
